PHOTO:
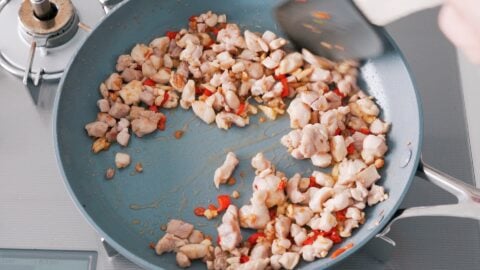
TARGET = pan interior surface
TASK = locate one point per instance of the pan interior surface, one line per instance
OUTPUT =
(130, 209)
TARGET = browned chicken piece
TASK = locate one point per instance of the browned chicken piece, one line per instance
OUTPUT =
(119, 110)
(143, 126)
(168, 243)
(96, 129)
(179, 228)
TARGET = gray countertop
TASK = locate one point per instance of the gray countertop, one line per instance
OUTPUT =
(36, 211)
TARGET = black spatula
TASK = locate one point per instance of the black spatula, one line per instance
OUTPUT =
(341, 29)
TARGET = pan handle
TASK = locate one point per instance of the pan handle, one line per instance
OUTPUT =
(468, 205)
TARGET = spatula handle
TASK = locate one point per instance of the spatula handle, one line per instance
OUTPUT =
(383, 12)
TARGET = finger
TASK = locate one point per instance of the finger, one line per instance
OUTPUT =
(460, 32)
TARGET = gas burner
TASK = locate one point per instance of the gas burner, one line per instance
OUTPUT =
(42, 35)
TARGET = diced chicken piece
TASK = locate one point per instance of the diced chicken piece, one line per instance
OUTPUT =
(280, 245)
(188, 95)
(326, 222)
(223, 173)
(130, 93)
(229, 230)
(318, 196)
(315, 100)
(122, 124)
(368, 176)
(282, 226)
(194, 251)
(168, 243)
(354, 213)
(274, 262)
(292, 139)
(123, 137)
(238, 67)
(321, 160)
(340, 201)
(368, 107)
(378, 127)
(320, 74)
(348, 226)
(203, 111)
(125, 61)
(255, 70)
(268, 36)
(260, 163)
(147, 97)
(334, 119)
(103, 105)
(222, 18)
(373, 147)
(314, 140)
(262, 85)
(148, 69)
(358, 138)
(188, 38)
(301, 214)
(289, 260)
(143, 126)
(225, 60)
(273, 60)
(290, 63)
(259, 264)
(182, 260)
(298, 233)
(260, 251)
(293, 192)
(338, 148)
(141, 52)
(130, 74)
(162, 76)
(179, 228)
(191, 54)
(106, 118)
(277, 43)
(160, 45)
(96, 129)
(225, 120)
(319, 249)
(196, 237)
(357, 123)
(220, 259)
(299, 112)
(376, 194)
(269, 183)
(359, 193)
(255, 215)
(114, 82)
(230, 37)
(231, 99)
(345, 87)
(248, 55)
(348, 170)
(122, 160)
(111, 135)
(255, 43)
(323, 179)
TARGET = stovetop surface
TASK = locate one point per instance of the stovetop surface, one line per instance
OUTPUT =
(36, 212)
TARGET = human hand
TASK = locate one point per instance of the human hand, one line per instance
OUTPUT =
(460, 22)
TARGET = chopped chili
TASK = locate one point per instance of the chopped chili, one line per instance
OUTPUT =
(212, 207)
(282, 185)
(313, 182)
(365, 131)
(166, 96)
(334, 236)
(338, 131)
(272, 212)
(192, 18)
(218, 240)
(207, 92)
(254, 237)
(338, 93)
(351, 148)
(199, 90)
(283, 79)
(153, 108)
(151, 245)
(244, 259)
(340, 215)
(339, 251)
(161, 123)
(199, 211)
(241, 108)
(223, 202)
(171, 34)
(149, 82)
(309, 240)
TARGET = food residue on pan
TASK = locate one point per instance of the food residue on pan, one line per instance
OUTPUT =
(110, 173)
(178, 134)
(138, 167)
(225, 76)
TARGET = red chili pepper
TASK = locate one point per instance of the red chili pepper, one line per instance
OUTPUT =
(313, 182)
(207, 92)
(171, 34)
(153, 108)
(338, 131)
(218, 240)
(161, 122)
(309, 240)
(199, 211)
(272, 212)
(365, 131)
(244, 259)
(335, 237)
(223, 202)
(340, 215)
(166, 96)
(241, 108)
(285, 90)
(199, 90)
(351, 148)
(254, 237)
(282, 185)
(192, 18)
(339, 251)
(215, 31)
(149, 82)
(338, 93)
(151, 245)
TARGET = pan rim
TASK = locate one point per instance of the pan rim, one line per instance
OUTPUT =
(313, 265)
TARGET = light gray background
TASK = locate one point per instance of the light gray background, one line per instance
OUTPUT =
(36, 212)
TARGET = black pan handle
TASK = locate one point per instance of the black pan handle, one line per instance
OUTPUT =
(468, 196)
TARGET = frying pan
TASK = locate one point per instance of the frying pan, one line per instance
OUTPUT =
(129, 210)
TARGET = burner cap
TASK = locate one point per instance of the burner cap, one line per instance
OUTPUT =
(56, 38)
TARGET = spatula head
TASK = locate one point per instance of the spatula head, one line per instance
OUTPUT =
(334, 29)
